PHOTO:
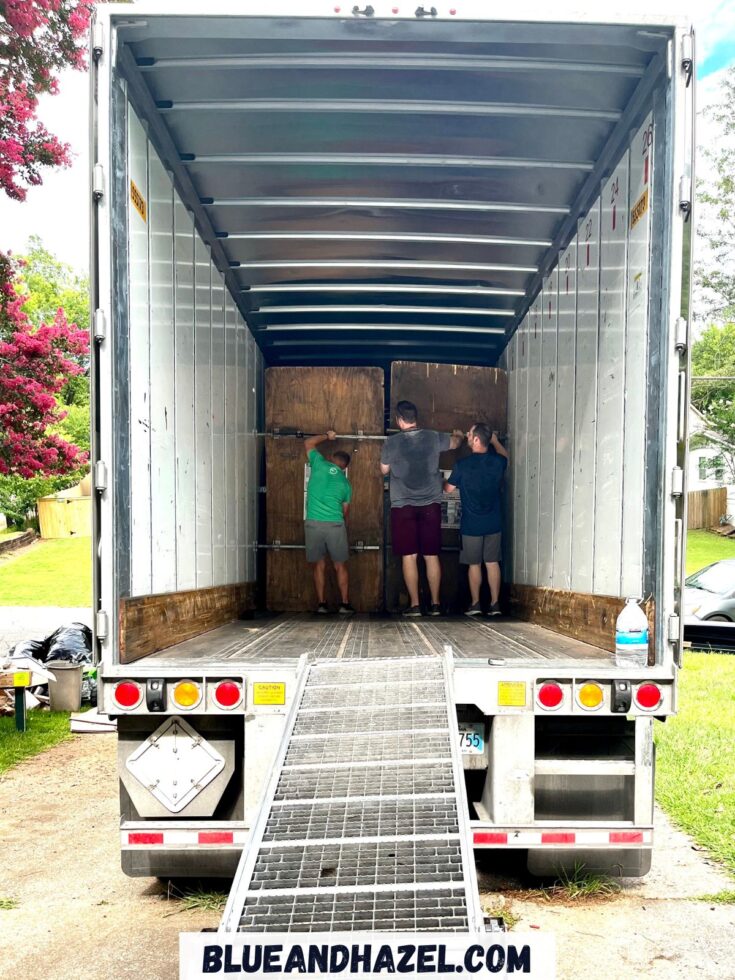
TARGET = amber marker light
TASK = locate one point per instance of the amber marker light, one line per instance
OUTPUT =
(187, 694)
(590, 696)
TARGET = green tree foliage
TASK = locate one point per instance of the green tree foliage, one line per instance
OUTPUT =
(715, 267)
(713, 355)
(18, 495)
(51, 284)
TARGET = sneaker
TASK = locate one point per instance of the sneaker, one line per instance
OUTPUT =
(346, 609)
(436, 609)
(322, 609)
(413, 612)
(474, 610)
(495, 610)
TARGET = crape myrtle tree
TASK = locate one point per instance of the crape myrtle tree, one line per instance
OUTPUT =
(35, 364)
(38, 38)
(39, 355)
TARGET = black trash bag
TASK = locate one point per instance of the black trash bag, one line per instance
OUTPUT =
(71, 643)
(38, 649)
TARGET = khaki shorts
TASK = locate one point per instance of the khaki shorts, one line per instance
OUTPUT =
(324, 538)
(483, 548)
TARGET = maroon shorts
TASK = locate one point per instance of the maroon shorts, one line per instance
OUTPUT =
(416, 530)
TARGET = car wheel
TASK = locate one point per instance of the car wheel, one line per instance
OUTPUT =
(717, 619)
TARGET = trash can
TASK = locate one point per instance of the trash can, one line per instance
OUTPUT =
(65, 693)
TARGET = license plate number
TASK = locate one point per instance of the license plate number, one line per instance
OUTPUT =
(472, 739)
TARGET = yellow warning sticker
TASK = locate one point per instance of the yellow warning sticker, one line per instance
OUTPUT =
(268, 692)
(511, 694)
(22, 678)
(138, 201)
(639, 209)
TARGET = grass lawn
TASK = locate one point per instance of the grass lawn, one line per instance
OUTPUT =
(45, 728)
(704, 547)
(50, 573)
(695, 762)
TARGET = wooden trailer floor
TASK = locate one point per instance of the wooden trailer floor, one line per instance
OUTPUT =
(287, 637)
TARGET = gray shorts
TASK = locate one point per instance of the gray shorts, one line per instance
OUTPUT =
(324, 538)
(480, 548)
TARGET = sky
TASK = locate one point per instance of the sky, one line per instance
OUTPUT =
(58, 210)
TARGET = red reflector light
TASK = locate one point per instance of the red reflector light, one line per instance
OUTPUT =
(550, 695)
(227, 694)
(216, 837)
(145, 838)
(626, 837)
(487, 838)
(648, 696)
(128, 694)
(558, 838)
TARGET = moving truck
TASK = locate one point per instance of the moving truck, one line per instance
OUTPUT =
(320, 186)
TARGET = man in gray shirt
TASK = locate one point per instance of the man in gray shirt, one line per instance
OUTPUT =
(412, 459)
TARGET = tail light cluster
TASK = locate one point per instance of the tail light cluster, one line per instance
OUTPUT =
(184, 695)
(590, 696)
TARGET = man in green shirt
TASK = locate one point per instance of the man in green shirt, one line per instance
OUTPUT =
(328, 497)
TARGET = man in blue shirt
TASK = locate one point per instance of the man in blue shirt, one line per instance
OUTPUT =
(479, 478)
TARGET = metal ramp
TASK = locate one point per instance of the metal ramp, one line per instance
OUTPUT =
(364, 823)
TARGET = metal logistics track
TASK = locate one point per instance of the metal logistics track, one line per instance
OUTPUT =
(364, 824)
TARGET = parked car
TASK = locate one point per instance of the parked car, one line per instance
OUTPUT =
(710, 593)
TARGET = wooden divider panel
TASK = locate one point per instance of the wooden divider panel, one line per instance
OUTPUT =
(312, 400)
(451, 396)
(154, 622)
(586, 617)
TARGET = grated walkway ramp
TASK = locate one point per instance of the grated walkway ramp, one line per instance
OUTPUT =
(364, 825)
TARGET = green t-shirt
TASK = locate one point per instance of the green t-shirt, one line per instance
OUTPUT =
(328, 489)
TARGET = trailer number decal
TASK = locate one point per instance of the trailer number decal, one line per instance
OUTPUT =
(512, 694)
(138, 201)
(269, 693)
(639, 209)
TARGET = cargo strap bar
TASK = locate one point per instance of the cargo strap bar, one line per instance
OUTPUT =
(298, 434)
(378, 844)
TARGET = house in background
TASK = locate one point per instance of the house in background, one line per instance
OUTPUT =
(707, 468)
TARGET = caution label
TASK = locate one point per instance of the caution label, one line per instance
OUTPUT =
(138, 201)
(511, 694)
(639, 209)
(269, 692)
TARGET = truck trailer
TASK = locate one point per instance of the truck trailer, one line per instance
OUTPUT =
(348, 188)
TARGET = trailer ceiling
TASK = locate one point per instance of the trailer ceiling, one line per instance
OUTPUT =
(385, 189)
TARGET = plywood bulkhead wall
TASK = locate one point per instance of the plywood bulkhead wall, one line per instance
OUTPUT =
(447, 396)
(312, 400)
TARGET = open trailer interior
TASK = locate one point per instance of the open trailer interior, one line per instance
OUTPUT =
(302, 219)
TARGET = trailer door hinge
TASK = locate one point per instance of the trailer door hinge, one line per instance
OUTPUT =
(681, 335)
(674, 629)
(687, 57)
(685, 197)
(98, 182)
(100, 625)
(100, 475)
(677, 481)
(100, 325)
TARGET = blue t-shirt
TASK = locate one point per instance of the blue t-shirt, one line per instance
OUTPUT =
(479, 478)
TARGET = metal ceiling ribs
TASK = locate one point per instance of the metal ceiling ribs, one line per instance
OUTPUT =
(364, 825)
(398, 178)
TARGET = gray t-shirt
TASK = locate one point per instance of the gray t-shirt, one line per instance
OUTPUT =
(413, 457)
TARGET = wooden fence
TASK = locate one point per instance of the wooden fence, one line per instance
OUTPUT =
(706, 508)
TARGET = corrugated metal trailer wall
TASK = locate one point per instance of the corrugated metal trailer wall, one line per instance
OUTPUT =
(195, 382)
(577, 399)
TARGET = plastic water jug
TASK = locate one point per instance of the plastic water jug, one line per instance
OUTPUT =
(631, 635)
